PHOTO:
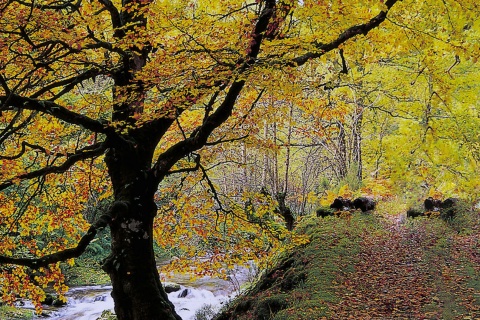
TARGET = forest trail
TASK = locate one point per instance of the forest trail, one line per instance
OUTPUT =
(411, 271)
(378, 266)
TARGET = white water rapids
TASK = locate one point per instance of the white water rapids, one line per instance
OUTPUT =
(88, 302)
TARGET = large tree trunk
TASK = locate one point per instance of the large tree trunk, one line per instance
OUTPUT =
(137, 290)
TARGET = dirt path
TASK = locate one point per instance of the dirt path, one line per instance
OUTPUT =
(411, 271)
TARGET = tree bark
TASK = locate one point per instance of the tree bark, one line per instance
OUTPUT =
(137, 290)
(341, 153)
(357, 141)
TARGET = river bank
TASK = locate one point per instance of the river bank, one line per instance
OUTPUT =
(192, 298)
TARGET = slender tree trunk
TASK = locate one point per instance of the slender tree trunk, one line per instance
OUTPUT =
(341, 154)
(276, 182)
(245, 180)
(265, 155)
(287, 157)
(357, 141)
(285, 211)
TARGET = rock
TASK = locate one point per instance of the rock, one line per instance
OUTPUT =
(449, 208)
(431, 204)
(413, 213)
(341, 204)
(364, 203)
(58, 303)
(48, 300)
(184, 293)
(171, 287)
(324, 212)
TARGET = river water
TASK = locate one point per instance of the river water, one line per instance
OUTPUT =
(88, 302)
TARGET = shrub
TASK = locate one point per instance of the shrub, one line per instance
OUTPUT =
(206, 312)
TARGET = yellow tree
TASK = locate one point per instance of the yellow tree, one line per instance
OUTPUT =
(136, 90)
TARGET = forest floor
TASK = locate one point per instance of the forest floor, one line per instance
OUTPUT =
(375, 266)
(416, 270)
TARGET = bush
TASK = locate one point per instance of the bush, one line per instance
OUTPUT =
(107, 315)
(206, 312)
(465, 218)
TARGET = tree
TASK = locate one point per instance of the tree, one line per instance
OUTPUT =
(139, 89)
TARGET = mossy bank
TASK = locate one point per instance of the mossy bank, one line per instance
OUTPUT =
(302, 284)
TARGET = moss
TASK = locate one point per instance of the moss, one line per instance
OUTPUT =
(302, 283)
(12, 313)
(84, 274)
(107, 315)
(268, 306)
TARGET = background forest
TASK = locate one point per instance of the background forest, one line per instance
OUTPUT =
(207, 129)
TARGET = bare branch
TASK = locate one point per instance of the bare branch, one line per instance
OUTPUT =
(226, 140)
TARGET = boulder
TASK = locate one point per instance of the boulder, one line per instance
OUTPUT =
(324, 212)
(449, 208)
(414, 213)
(432, 204)
(171, 287)
(341, 204)
(364, 203)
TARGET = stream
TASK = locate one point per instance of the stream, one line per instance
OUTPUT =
(88, 302)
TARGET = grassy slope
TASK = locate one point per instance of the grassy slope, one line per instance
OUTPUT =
(372, 267)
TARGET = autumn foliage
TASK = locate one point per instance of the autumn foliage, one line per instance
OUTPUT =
(163, 121)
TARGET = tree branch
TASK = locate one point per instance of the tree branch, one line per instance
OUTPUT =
(69, 83)
(191, 169)
(114, 14)
(83, 154)
(199, 136)
(213, 143)
(10, 129)
(44, 261)
(22, 152)
(15, 101)
(344, 63)
(63, 5)
(344, 37)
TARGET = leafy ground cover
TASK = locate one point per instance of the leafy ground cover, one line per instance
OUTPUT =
(11, 313)
(375, 266)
